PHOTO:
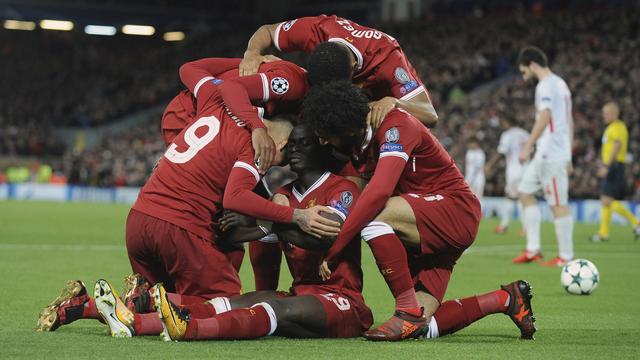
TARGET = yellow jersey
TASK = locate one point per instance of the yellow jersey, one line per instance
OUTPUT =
(615, 131)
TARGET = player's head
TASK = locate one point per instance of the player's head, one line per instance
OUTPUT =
(610, 112)
(337, 113)
(279, 128)
(304, 151)
(530, 60)
(507, 122)
(330, 61)
(473, 143)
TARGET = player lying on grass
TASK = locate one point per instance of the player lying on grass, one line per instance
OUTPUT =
(341, 49)
(313, 308)
(417, 203)
(170, 236)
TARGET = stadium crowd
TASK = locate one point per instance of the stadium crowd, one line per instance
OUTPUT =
(470, 76)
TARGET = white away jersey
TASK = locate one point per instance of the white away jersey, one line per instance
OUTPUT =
(553, 93)
(474, 165)
(511, 142)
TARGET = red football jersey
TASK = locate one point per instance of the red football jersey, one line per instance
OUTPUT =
(381, 66)
(339, 194)
(405, 158)
(210, 158)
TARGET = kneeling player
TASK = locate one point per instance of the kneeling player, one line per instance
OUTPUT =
(416, 202)
(334, 308)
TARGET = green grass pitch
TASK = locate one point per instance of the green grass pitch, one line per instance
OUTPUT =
(43, 244)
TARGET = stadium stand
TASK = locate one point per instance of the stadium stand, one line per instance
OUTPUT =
(94, 81)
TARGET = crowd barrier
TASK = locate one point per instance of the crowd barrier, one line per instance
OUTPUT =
(586, 211)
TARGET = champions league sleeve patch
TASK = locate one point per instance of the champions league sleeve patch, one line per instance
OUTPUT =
(337, 205)
(392, 135)
(402, 75)
(288, 24)
(217, 81)
(408, 87)
(279, 85)
(346, 199)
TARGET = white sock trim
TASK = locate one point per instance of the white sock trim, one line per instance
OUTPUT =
(433, 329)
(273, 320)
(220, 304)
(375, 229)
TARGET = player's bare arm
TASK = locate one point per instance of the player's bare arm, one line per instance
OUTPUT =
(538, 128)
(419, 106)
(258, 43)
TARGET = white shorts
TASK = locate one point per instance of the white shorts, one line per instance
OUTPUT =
(549, 177)
(477, 186)
(513, 180)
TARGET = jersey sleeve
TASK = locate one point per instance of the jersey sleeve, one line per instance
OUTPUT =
(341, 198)
(503, 146)
(400, 77)
(544, 96)
(239, 195)
(297, 35)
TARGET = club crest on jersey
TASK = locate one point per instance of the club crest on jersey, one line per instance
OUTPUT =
(288, 24)
(392, 135)
(279, 85)
(402, 75)
(346, 198)
(311, 203)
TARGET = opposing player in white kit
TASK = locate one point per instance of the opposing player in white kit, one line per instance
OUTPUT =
(512, 140)
(474, 160)
(549, 170)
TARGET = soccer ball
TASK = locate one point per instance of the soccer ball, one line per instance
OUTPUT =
(580, 277)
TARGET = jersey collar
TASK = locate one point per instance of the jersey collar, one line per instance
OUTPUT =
(311, 188)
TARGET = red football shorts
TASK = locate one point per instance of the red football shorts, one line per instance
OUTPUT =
(448, 224)
(346, 314)
(186, 263)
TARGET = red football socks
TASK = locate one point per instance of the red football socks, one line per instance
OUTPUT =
(246, 323)
(201, 310)
(185, 299)
(391, 258)
(147, 324)
(235, 257)
(265, 260)
(89, 311)
(457, 314)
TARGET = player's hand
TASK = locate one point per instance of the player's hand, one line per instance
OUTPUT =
(311, 222)
(250, 63)
(270, 58)
(602, 171)
(264, 148)
(379, 109)
(231, 220)
(325, 272)
(525, 153)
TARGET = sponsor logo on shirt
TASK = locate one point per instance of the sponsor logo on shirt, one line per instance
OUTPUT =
(392, 135)
(546, 98)
(387, 147)
(402, 75)
(279, 85)
(408, 87)
(288, 24)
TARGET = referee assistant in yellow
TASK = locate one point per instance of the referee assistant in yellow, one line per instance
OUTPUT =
(611, 171)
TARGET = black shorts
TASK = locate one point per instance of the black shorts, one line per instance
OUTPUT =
(614, 184)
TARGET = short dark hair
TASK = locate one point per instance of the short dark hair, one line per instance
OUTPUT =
(335, 107)
(531, 54)
(329, 61)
